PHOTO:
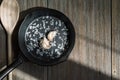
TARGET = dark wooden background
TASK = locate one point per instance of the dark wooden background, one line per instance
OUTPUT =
(96, 53)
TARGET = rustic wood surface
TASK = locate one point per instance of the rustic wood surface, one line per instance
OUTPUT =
(116, 39)
(96, 52)
(3, 48)
(91, 57)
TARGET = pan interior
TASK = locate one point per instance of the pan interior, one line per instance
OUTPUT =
(38, 29)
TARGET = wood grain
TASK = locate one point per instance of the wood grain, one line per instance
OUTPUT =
(116, 38)
(9, 14)
(3, 55)
(91, 57)
(29, 71)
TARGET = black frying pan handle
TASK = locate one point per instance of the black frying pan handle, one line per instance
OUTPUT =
(11, 67)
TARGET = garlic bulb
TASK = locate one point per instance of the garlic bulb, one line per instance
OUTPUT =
(51, 35)
(45, 43)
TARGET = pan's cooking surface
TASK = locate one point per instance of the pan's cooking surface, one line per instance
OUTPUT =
(38, 29)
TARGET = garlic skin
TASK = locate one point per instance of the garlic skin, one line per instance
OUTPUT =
(45, 43)
(51, 35)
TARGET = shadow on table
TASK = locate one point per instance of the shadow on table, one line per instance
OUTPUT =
(68, 70)
(3, 47)
(1, 1)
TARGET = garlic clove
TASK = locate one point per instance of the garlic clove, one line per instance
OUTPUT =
(45, 43)
(51, 35)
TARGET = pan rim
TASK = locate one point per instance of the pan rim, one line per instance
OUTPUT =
(30, 18)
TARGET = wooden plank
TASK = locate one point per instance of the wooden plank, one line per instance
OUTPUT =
(91, 56)
(116, 38)
(3, 49)
(29, 71)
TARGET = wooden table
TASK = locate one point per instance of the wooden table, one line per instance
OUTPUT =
(96, 53)
(3, 49)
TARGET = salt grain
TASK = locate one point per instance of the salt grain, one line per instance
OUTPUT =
(35, 32)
